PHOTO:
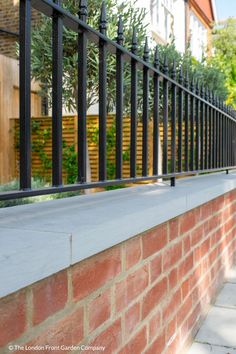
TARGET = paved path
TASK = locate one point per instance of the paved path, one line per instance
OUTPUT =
(217, 334)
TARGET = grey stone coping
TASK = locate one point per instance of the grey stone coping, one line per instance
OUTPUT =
(37, 240)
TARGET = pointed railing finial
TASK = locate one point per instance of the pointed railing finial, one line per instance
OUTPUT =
(134, 46)
(207, 94)
(174, 70)
(192, 86)
(83, 10)
(146, 51)
(202, 91)
(156, 58)
(120, 33)
(165, 66)
(197, 87)
(187, 78)
(181, 75)
(103, 19)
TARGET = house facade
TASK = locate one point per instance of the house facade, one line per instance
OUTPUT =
(187, 22)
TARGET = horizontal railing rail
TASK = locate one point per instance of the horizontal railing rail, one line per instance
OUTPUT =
(203, 128)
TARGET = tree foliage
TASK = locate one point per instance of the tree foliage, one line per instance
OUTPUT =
(42, 49)
(224, 58)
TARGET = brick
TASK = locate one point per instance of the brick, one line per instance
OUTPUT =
(110, 338)
(154, 240)
(133, 252)
(13, 317)
(173, 229)
(197, 235)
(185, 266)
(67, 331)
(173, 278)
(157, 346)
(188, 221)
(154, 325)
(217, 204)
(170, 331)
(132, 318)
(206, 210)
(205, 247)
(172, 255)
(194, 317)
(154, 296)
(156, 267)
(99, 309)
(185, 289)
(129, 288)
(173, 346)
(49, 296)
(91, 274)
(172, 305)
(186, 244)
(136, 344)
(184, 310)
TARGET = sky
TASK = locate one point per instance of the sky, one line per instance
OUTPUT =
(225, 8)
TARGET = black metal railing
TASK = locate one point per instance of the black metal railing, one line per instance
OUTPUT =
(202, 136)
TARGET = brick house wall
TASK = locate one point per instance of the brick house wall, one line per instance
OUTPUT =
(145, 295)
(9, 20)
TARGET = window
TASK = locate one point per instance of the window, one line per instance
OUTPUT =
(162, 18)
(155, 12)
(198, 37)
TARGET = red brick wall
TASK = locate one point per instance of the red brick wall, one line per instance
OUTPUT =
(147, 295)
(9, 20)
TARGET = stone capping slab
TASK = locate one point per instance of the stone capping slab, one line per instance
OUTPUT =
(38, 240)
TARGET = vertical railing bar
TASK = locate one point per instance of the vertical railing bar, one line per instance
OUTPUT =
(82, 96)
(231, 135)
(217, 136)
(119, 102)
(145, 112)
(220, 139)
(133, 128)
(25, 95)
(206, 131)
(186, 126)
(156, 132)
(173, 125)
(102, 97)
(227, 141)
(57, 68)
(197, 129)
(202, 129)
(210, 134)
(214, 137)
(165, 119)
(223, 138)
(192, 104)
(180, 121)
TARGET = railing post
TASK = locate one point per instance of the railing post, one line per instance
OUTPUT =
(197, 155)
(119, 101)
(180, 122)
(186, 142)
(25, 93)
(156, 133)
(165, 118)
(192, 115)
(82, 95)
(145, 111)
(57, 67)
(206, 129)
(173, 125)
(102, 97)
(133, 99)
